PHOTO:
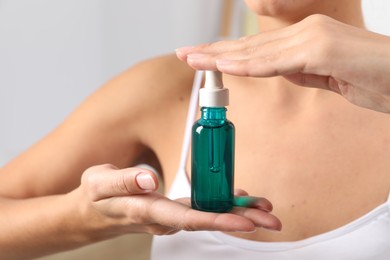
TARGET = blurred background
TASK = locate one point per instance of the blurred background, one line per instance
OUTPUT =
(54, 53)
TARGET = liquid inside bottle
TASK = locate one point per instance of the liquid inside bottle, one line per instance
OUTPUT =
(212, 175)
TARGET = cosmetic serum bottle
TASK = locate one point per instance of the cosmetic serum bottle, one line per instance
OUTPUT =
(212, 170)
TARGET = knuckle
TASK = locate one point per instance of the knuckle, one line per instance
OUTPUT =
(91, 184)
(322, 39)
(186, 223)
(251, 51)
(93, 170)
(244, 39)
(91, 179)
(122, 185)
(107, 166)
(159, 230)
(317, 19)
(246, 42)
(206, 45)
(149, 210)
(137, 211)
(319, 26)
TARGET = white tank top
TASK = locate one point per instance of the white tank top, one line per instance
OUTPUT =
(365, 238)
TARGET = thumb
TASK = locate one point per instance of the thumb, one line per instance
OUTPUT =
(106, 181)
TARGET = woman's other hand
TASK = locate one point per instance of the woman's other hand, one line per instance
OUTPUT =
(117, 201)
(317, 52)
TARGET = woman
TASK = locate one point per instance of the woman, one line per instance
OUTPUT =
(321, 160)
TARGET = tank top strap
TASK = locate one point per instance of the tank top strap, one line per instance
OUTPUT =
(192, 109)
(388, 202)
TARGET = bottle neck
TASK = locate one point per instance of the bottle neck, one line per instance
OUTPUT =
(213, 116)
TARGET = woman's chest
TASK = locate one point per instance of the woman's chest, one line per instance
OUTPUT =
(319, 172)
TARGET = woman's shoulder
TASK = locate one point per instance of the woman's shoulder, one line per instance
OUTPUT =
(161, 79)
(151, 84)
(163, 71)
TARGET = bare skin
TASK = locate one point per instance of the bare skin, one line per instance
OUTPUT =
(321, 160)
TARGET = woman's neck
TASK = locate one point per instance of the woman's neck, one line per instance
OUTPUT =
(346, 11)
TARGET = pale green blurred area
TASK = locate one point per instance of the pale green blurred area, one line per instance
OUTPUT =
(250, 23)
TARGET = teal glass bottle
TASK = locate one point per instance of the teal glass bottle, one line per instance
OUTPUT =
(212, 171)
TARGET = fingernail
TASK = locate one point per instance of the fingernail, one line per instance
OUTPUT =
(273, 230)
(184, 49)
(276, 230)
(145, 181)
(248, 232)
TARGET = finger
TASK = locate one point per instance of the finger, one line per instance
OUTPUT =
(282, 62)
(201, 61)
(211, 48)
(207, 61)
(241, 201)
(182, 52)
(259, 218)
(107, 181)
(247, 42)
(179, 216)
(258, 214)
(313, 81)
(364, 98)
(253, 202)
(358, 96)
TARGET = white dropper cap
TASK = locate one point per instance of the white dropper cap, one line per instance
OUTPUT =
(213, 94)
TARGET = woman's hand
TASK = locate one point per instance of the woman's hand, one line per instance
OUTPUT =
(118, 201)
(317, 52)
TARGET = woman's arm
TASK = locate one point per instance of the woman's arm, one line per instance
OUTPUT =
(317, 52)
(39, 226)
(110, 202)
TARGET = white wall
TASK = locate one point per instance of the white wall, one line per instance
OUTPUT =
(53, 53)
